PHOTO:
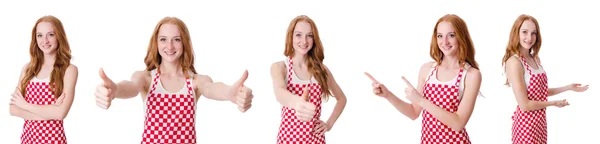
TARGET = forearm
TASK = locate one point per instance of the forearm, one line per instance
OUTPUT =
(452, 120)
(18, 112)
(403, 107)
(532, 105)
(55, 112)
(337, 111)
(286, 98)
(218, 91)
(127, 89)
(558, 90)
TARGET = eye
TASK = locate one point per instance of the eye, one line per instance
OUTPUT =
(311, 36)
(52, 35)
(439, 36)
(162, 39)
(39, 35)
(524, 32)
(177, 40)
(452, 35)
(298, 35)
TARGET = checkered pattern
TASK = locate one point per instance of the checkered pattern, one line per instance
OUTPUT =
(42, 131)
(170, 118)
(531, 127)
(292, 130)
(447, 97)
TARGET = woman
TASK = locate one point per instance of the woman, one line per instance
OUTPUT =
(170, 86)
(301, 82)
(528, 80)
(46, 86)
(447, 87)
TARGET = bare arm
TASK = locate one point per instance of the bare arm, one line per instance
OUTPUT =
(340, 98)
(17, 111)
(411, 111)
(514, 73)
(58, 112)
(459, 119)
(214, 90)
(284, 97)
(131, 88)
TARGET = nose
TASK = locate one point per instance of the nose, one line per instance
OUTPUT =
(303, 40)
(45, 40)
(528, 37)
(445, 40)
(170, 45)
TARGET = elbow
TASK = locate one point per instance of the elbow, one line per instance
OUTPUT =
(13, 111)
(457, 127)
(60, 116)
(413, 117)
(525, 107)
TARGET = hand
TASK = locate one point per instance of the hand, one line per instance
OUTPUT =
(378, 88)
(321, 128)
(305, 110)
(560, 103)
(577, 87)
(242, 95)
(59, 100)
(18, 100)
(105, 92)
(411, 93)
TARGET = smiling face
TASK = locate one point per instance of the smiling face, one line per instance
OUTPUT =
(446, 39)
(46, 37)
(302, 41)
(527, 34)
(170, 44)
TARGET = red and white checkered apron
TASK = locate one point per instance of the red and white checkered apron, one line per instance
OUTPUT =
(292, 130)
(170, 118)
(531, 127)
(447, 97)
(42, 131)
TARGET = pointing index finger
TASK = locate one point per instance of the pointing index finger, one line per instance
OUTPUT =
(370, 77)
(407, 82)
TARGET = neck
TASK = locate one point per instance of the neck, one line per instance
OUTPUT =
(450, 62)
(299, 60)
(170, 68)
(49, 59)
(524, 52)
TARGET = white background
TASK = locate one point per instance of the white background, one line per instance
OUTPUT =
(384, 38)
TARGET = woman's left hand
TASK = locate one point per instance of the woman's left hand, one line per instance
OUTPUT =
(321, 128)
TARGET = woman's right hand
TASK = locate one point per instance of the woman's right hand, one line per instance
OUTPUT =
(105, 92)
(378, 88)
(560, 103)
(305, 110)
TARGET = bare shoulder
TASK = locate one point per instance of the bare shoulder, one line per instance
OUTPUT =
(473, 75)
(278, 66)
(142, 75)
(201, 79)
(513, 64)
(426, 67)
(72, 69)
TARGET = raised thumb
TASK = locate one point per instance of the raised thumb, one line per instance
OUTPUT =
(305, 94)
(105, 78)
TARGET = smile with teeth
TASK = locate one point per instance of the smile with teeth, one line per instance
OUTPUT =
(302, 47)
(447, 47)
(170, 53)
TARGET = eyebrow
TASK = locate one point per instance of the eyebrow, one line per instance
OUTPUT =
(449, 33)
(48, 32)
(173, 37)
(301, 32)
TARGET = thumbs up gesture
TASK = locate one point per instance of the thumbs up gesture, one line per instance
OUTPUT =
(242, 95)
(105, 92)
(378, 88)
(305, 110)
